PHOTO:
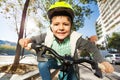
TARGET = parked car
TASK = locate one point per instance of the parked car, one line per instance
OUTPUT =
(5, 54)
(113, 58)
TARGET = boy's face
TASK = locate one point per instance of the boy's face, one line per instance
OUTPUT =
(61, 27)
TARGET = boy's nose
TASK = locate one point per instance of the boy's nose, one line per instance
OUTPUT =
(61, 27)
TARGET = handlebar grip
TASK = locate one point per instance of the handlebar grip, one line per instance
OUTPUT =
(34, 45)
(98, 73)
(40, 51)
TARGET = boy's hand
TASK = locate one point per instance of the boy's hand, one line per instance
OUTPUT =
(24, 43)
(106, 67)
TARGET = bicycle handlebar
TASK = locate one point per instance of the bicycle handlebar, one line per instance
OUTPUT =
(44, 49)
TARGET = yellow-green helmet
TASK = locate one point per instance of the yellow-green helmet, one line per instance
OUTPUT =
(61, 8)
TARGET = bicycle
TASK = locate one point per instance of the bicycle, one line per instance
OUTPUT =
(66, 61)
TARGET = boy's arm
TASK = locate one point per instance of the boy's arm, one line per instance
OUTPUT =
(35, 39)
(92, 49)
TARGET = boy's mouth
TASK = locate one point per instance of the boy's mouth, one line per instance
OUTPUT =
(61, 32)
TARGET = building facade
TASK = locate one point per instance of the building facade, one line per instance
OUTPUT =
(108, 20)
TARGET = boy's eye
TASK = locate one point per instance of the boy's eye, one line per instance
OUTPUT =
(66, 24)
(56, 24)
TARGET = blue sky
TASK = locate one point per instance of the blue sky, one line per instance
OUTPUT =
(7, 32)
(89, 26)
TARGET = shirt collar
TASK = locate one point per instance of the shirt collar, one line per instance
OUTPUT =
(66, 39)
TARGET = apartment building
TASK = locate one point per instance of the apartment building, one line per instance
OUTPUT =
(108, 20)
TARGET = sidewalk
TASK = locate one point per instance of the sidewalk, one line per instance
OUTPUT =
(27, 59)
(4, 60)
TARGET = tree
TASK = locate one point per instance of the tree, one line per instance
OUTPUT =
(12, 11)
(18, 49)
(114, 41)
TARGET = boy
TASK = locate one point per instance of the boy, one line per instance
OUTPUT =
(64, 41)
